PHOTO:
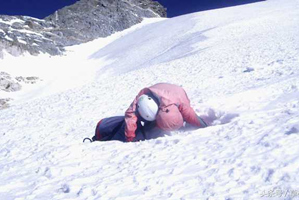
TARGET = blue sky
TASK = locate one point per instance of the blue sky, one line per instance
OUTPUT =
(43, 8)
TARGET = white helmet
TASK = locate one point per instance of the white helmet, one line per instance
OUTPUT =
(147, 107)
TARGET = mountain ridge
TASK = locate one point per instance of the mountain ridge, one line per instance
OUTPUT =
(78, 23)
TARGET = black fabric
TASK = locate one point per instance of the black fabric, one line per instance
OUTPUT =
(110, 126)
(113, 128)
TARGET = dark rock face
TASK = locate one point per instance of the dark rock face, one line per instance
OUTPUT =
(81, 22)
(90, 19)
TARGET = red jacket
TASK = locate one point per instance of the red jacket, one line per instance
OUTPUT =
(167, 95)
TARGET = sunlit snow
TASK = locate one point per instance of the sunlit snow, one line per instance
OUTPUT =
(239, 66)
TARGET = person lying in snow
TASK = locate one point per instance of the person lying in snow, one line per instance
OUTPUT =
(161, 107)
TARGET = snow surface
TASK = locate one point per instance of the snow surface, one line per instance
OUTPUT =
(239, 66)
(10, 22)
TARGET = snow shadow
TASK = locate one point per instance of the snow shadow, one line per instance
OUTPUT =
(293, 130)
(214, 117)
(174, 43)
(210, 116)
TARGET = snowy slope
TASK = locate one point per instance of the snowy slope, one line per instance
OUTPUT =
(239, 63)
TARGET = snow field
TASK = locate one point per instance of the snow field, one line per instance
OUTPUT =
(239, 67)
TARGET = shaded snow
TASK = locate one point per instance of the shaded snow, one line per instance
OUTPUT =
(239, 66)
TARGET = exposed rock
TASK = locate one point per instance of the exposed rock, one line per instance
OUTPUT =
(4, 103)
(28, 80)
(21, 34)
(81, 22)
(8, 84)
(89, 19)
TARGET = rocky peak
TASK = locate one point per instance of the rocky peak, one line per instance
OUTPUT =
(19, 34)
(78, 23)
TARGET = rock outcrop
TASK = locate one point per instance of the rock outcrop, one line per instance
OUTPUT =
(4, 103)
(78, 23)
(13, 84)
(8, 84)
